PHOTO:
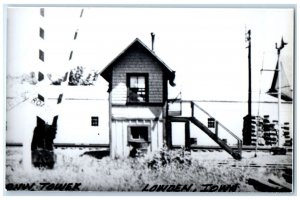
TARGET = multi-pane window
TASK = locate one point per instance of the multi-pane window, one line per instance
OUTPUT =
(211, 123)
(137, 88)
(95, 121)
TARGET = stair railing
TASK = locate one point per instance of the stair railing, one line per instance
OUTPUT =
(195, 111)
(220, 130)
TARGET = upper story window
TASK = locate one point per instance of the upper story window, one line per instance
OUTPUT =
(137, 85)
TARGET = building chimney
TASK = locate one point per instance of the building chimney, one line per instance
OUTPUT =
(152, 38)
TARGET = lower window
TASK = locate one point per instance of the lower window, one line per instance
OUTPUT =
(138, 134)
(94, 121)
(138, 140)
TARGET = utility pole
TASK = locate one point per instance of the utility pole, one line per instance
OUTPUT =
(248, 39)
(247, 128)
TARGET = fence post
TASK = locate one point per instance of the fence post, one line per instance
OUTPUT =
(241, 147)
(187, 136)
(169, 134)
(192, 107)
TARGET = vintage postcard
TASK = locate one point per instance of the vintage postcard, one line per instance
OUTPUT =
(142, 98)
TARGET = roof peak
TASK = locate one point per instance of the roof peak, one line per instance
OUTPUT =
(106, 71)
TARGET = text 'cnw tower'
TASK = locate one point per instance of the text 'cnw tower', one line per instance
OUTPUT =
(138, 92)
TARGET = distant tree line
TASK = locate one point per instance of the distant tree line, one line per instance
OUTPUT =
(77, 76)
(29, 78)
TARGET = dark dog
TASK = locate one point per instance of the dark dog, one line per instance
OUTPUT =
(42, 144)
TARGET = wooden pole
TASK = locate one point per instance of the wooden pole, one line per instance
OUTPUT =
(278, 92)
(217, 128)
(187, 136)
(249, 116)
(249, 79)
(192, 107)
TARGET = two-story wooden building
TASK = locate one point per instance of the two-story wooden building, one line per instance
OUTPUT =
(138, 88)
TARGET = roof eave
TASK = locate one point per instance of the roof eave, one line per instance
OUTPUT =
(105, 73)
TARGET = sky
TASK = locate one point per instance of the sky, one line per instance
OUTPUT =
(205, 46)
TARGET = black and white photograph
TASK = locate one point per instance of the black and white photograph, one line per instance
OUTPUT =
(150, 99)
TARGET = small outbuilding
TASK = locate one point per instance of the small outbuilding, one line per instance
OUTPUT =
(138, 91)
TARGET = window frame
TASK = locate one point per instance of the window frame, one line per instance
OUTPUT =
(93, 119)
(128, 77)
(131, 139)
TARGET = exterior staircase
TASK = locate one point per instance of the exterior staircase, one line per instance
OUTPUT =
(189, 112)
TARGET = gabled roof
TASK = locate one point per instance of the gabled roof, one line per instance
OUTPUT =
(106, 72)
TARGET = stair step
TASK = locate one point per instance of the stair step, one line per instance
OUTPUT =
(235, 154)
